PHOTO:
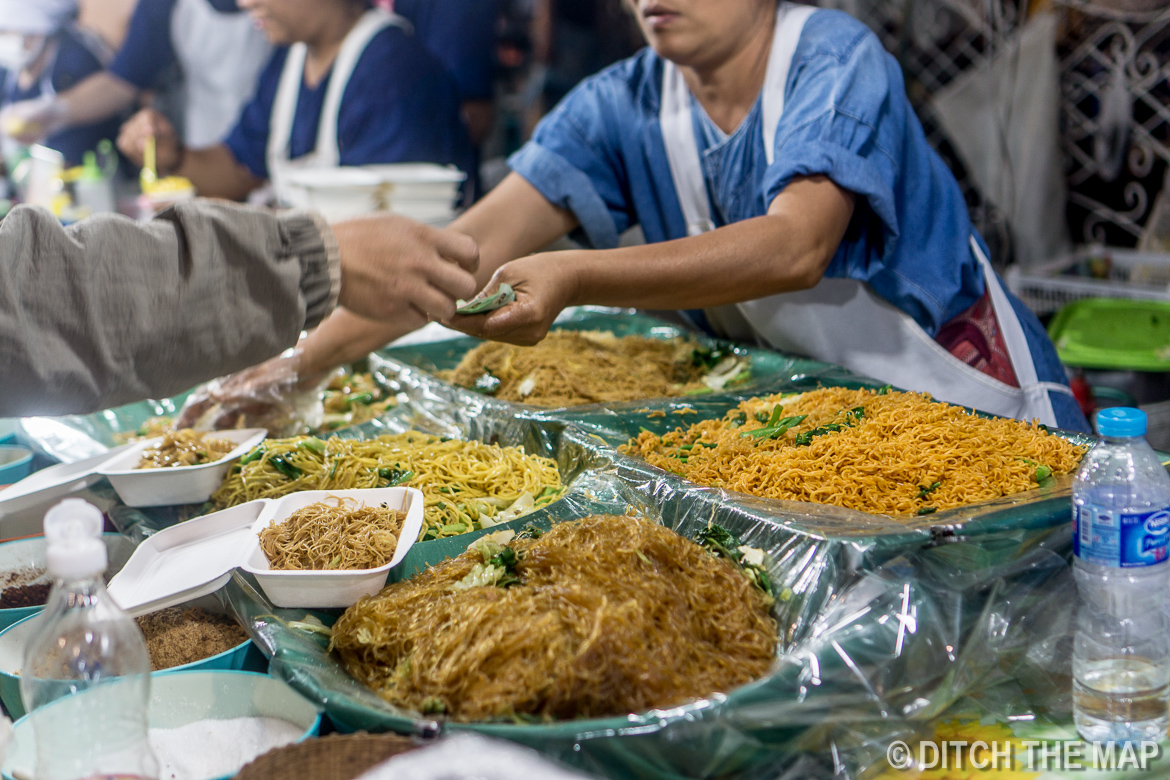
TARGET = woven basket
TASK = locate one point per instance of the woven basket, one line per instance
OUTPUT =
(336, 757)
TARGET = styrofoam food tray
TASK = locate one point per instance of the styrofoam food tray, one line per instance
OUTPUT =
(177, 484)
(197, 557)
(321, 589)
(186, 561)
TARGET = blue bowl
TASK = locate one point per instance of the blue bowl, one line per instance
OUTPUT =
(14, 638)
(22, 553)
(176, 699)
(15, 463)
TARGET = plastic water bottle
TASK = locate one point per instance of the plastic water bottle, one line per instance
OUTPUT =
(86, 672)
(1121, 536)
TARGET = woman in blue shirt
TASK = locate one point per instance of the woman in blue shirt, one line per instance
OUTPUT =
(784, 185)
(350, 87)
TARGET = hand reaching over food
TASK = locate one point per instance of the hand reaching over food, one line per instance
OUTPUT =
(274, 395)
(394, 268)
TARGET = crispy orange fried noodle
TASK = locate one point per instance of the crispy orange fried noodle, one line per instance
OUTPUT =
(882, 452)
(601, 616)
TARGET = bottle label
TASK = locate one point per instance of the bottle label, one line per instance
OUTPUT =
(1121, 539)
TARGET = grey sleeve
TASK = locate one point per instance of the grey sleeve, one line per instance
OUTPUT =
(110, 311)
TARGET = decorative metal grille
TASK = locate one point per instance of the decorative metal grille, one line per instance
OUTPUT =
(1103, 46)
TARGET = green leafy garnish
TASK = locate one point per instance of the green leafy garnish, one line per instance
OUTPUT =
(927, 510)
(395, 477)
(923, 492)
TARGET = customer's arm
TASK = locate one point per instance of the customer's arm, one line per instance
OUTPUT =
(111, 311)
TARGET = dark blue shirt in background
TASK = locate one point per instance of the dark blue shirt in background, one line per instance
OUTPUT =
(148, 50)
(461, 34)
(400, 105)
(74, 62)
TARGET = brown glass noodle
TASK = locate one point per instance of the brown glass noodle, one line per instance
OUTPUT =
(466, 484)
(184, 448)
(335, 534)
(613, 615)
(571, 368)
(884, 463)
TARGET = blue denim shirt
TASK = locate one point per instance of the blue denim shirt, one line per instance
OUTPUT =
(600, 154)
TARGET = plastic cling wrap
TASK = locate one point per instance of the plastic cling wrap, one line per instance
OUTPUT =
(879, 651)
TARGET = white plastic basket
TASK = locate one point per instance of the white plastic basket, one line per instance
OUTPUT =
(1092, 272)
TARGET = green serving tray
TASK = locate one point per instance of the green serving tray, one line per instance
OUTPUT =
(1113, 333)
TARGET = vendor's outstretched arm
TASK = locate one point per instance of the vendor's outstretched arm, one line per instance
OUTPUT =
(512, 221)
(785, 250)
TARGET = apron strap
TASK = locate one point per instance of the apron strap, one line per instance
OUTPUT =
(372, 22)
(284, 106)
(1016, 342)
(789, 27)
(677, 124)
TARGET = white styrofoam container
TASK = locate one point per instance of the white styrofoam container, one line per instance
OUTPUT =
(176, 484)
(321, 589)
(419, 181)
(195, 558)
(336, 193)
(49, 483)
(186, 561)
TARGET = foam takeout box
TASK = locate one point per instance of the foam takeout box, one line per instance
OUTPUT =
(197, 557)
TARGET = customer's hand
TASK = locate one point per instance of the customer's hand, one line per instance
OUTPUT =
(168, 146)
(393, 267)
(545, 284)
(275, 394)
(31, 121)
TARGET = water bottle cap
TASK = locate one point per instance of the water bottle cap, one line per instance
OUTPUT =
(73, 530)
(1121, 422)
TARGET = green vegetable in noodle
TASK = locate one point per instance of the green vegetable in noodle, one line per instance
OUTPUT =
(923, 492)
(256, 454)
(289, 470)
(927, 510)
(395, 477)
(314, 444)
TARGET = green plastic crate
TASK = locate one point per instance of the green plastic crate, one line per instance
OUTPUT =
(1113, 333)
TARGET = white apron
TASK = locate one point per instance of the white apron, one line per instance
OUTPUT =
(325, 154)
(221, 56)
(841, 320)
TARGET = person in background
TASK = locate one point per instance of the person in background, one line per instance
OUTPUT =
(461, 34)
(43, 53)
(349, 85)
(110, 311)
(217, 48)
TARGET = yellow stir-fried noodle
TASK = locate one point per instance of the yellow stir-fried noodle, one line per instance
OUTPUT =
(184, 448)
(571, 368)
(881, 452)
(338, 533)
(467, 485)
(601, 616)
